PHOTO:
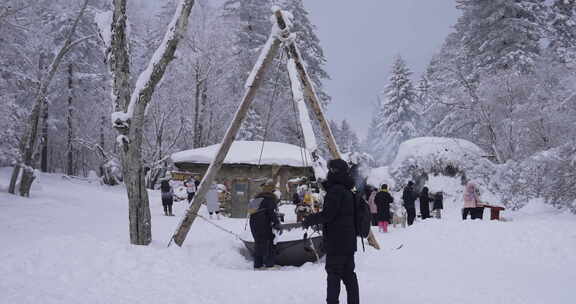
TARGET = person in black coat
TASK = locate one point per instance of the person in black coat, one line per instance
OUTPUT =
(263, 218)
(438, 204)
(409, 197)
(425, 203)
(339, 232)
(167, 195)
(383, 201)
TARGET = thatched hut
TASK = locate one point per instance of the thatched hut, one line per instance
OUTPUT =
(247, 165)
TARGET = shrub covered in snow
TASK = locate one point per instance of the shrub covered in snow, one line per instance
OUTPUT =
(421, 156)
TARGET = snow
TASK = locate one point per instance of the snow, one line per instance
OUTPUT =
(69, 243)
(103, 20)
(248, 152)
(429, 149)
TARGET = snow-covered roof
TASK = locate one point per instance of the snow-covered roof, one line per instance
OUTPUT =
(248, 152)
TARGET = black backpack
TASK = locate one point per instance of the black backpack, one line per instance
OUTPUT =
(362, 216)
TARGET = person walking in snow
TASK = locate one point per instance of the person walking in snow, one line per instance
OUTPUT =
(167, 195)
(425, 203)
(263, 218)
(409, 197)
(438, 204)
(471, 202)
(190, 185)
(339, 232)
(383, 201)
(212, 201)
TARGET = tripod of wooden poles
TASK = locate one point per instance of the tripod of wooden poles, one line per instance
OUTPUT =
(302, 91)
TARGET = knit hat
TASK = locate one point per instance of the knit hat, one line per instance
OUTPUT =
(268, 186)
(338, 165)
(384, 187)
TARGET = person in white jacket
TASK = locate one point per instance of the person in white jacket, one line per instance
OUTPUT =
(212, 201)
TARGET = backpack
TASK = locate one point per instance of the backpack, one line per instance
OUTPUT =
(362, 216)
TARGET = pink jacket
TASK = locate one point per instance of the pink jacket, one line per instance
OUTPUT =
(471, 199)
(371, 203)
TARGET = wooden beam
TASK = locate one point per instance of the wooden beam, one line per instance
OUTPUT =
(313, 100)
(253, 83)
(294, 58)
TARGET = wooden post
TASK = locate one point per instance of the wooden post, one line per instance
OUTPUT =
(295, 62)
(252, 85)
(313, 100)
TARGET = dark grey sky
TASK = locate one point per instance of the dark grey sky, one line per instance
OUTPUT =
(360, 40)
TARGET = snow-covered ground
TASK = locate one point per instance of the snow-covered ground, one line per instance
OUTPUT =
(69, 244)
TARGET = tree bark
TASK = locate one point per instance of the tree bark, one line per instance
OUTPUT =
(69, 121)
(133, 105)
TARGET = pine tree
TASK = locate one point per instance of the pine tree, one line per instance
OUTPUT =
(398, 116)
(501, 35)
(562, 33)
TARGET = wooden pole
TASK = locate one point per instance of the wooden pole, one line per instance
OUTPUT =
(252, 85)
(313, 100)
(294, 58)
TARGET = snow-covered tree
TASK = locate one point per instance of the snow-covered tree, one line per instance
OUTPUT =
(252, 127)
(397, 118)
(501, 35)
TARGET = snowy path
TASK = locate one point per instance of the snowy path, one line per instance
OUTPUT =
(69, 244)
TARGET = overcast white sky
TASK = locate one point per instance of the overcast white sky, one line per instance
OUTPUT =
(360, 40)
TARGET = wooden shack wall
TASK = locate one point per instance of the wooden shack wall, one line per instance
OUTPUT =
(243, 180)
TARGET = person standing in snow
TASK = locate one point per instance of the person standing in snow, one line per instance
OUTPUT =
(190, 185)
(167, 195)
(383, 201)
(263, 218)
(372, 205)
(409, 197)
(212, 201)
(339, 232)
(471, 202)
(425, 203)
(438, 204)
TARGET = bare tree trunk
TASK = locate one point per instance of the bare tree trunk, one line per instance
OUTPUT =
(29, 143)
(14, 179)
(69, 121)
(44, 140)
(131, 107)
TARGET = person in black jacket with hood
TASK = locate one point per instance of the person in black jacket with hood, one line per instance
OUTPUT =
(383, 200)
(337, 218)
(263, 218)
(409, 197)
(425, 203)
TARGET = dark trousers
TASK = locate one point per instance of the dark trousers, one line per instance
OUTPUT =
(479, 212)
(263, 253)
(341, 268)
(469, 211)
(167, 208)
(411, 215)
(190, 196)
(374, 219)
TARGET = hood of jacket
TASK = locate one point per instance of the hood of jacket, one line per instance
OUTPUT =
(339, 178)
